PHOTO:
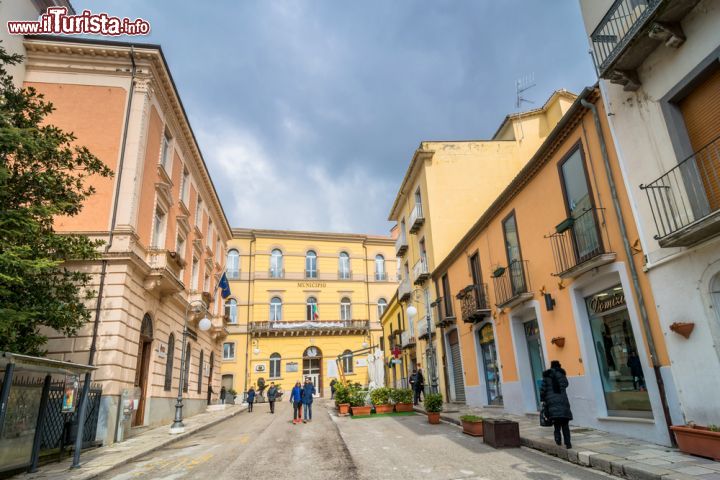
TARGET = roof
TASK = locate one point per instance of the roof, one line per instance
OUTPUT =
(513, 116)
(254, 233)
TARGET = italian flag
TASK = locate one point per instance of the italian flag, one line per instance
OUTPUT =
(315, 314)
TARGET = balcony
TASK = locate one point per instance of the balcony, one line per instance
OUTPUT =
(685, 201)
(307, 328)
(401, 245)
(165, 272)
(420, 271)
(407, 340)
(474, 305)
(416, 218)
(422, 328)
(577, 245)
(512, 285)
(630, 31)
(381, 276)
(404, 289)
(443, 316)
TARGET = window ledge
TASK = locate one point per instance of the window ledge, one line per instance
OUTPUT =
(648, 421)
(229, 359)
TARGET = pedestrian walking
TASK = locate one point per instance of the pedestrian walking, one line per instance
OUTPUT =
(223, 392)
(411, 380)
(333, 382)
(250, 398)
(307, 400)
(419, 385)
(271, 395)
(296, 400)
(556, 403)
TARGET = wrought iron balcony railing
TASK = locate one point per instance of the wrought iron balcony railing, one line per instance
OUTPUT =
(444, 315)
(401, 244)
(299, 328)
(474, 305)
(417, 218)
(578, 246)
(512, 284)
(407, 340)
(381, 276)
(420, 271)
(233, 274)
(685, 200)
(345, 274)
(422, 327)
(312, 274)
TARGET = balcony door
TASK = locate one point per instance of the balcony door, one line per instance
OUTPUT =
(579, 205)
(514, 257)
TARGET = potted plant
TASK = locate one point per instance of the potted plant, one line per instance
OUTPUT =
(380, 397)
(342, 398)
(697, 440)
(402, 398)
(230, 397)
(472, 425)
(433, 406)
(358, 402)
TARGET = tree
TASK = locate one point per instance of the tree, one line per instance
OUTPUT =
(43, 175)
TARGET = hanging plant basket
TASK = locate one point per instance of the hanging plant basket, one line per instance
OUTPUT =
(498, 272)
(564, 225)
(683, 328)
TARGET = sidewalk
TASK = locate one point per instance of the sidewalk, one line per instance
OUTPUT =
(615, 454)
(101, 460)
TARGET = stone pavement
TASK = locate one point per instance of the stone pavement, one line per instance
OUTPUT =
(615, 454)
(95, 463)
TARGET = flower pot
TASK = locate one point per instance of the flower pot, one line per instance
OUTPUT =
(473, 428)
(361, 410)
(698, 441)
(403, 407)
(433, 417)
(383, 408)
(344, 408)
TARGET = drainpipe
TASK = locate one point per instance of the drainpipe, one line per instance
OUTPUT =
(633, 270)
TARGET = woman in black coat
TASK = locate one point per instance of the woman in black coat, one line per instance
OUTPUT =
(552, 393)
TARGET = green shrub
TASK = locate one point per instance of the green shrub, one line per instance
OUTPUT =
(433, 402)
(342, 393)
(380, 396)
(358, 398)
(401, 395)
(471, 418)
(714, 428)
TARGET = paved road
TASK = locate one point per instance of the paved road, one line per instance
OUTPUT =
(260, 445)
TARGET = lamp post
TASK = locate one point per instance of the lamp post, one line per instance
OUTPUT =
(429, 349)
(196, 306)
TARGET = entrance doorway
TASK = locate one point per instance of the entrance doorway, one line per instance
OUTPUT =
(210, 378)
(535, 354)
(142, 367)
(489, 359)
(312, 368)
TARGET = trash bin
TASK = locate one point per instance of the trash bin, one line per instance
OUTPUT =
(500, 433)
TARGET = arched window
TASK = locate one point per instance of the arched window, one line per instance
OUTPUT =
(232, 266)
(275, 365)
(169, 362)
(347, 361)
(186, 380)
(380, 273)
(344, 266)
(231, 310)
(275, 309)
(345, 309)
(200, 371)
(276, 264)
(311, 270)
(311, 311)
(382, 306)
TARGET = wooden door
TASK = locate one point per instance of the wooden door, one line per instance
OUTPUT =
(142, 368)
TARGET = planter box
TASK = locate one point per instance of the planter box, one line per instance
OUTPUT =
(361, 410)
(698, 441)
(403, 407)
(383, 408)
(473, 428)
(344, 408)
(500, 433)
(433, 417)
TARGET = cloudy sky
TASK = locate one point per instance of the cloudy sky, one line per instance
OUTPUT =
(308, 111)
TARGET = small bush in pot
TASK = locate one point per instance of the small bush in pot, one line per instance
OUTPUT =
(358, 402)
(342, 398)
(402, 398)
(380, 397)
(472, 425)
(433, 406)
(698, 440)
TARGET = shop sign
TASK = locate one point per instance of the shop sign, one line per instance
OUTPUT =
(608, 300)
(291, 367)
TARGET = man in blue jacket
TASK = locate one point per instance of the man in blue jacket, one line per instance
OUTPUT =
(307, 400)
(296, 399)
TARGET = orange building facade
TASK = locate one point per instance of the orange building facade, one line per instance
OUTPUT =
(545, 274)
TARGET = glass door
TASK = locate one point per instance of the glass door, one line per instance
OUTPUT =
(512, 248)
(535, 354)
(580, 208)
(490, 365)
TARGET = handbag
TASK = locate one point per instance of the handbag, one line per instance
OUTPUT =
(545, 420)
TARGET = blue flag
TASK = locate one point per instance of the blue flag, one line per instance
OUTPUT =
(224, 286)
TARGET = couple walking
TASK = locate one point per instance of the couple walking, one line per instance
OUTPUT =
(302, 399)
(272, 394)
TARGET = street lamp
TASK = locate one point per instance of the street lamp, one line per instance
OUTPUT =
(429, 349)
(204, 325)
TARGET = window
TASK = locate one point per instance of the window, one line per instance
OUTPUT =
(195, 274)
(231, 310)
(347, 361)
(185, 186)
(198, 213)
(311, 311)
(380, 273)
(344, 266)
(229, 351)
(579, 205)
(311, 270)
(447, 296)
(276, 264)
(165, 151)
(206, 283)
(475, 269)
(275, 365)
(210, 233)
(275, 309)
(158, 239)
(169, 362)
(233, 264)
(180, 247)
(200, 371)
(345, 310)
(512, 249)
(381, 306)
(188, 359)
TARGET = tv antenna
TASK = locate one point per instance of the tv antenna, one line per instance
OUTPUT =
(522, 85)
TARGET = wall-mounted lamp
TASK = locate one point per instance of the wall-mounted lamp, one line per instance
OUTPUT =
(549, 302)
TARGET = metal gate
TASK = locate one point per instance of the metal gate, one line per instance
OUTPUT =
(457, 372)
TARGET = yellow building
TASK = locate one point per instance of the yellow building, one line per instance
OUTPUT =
(301, 299)
(447, 184)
